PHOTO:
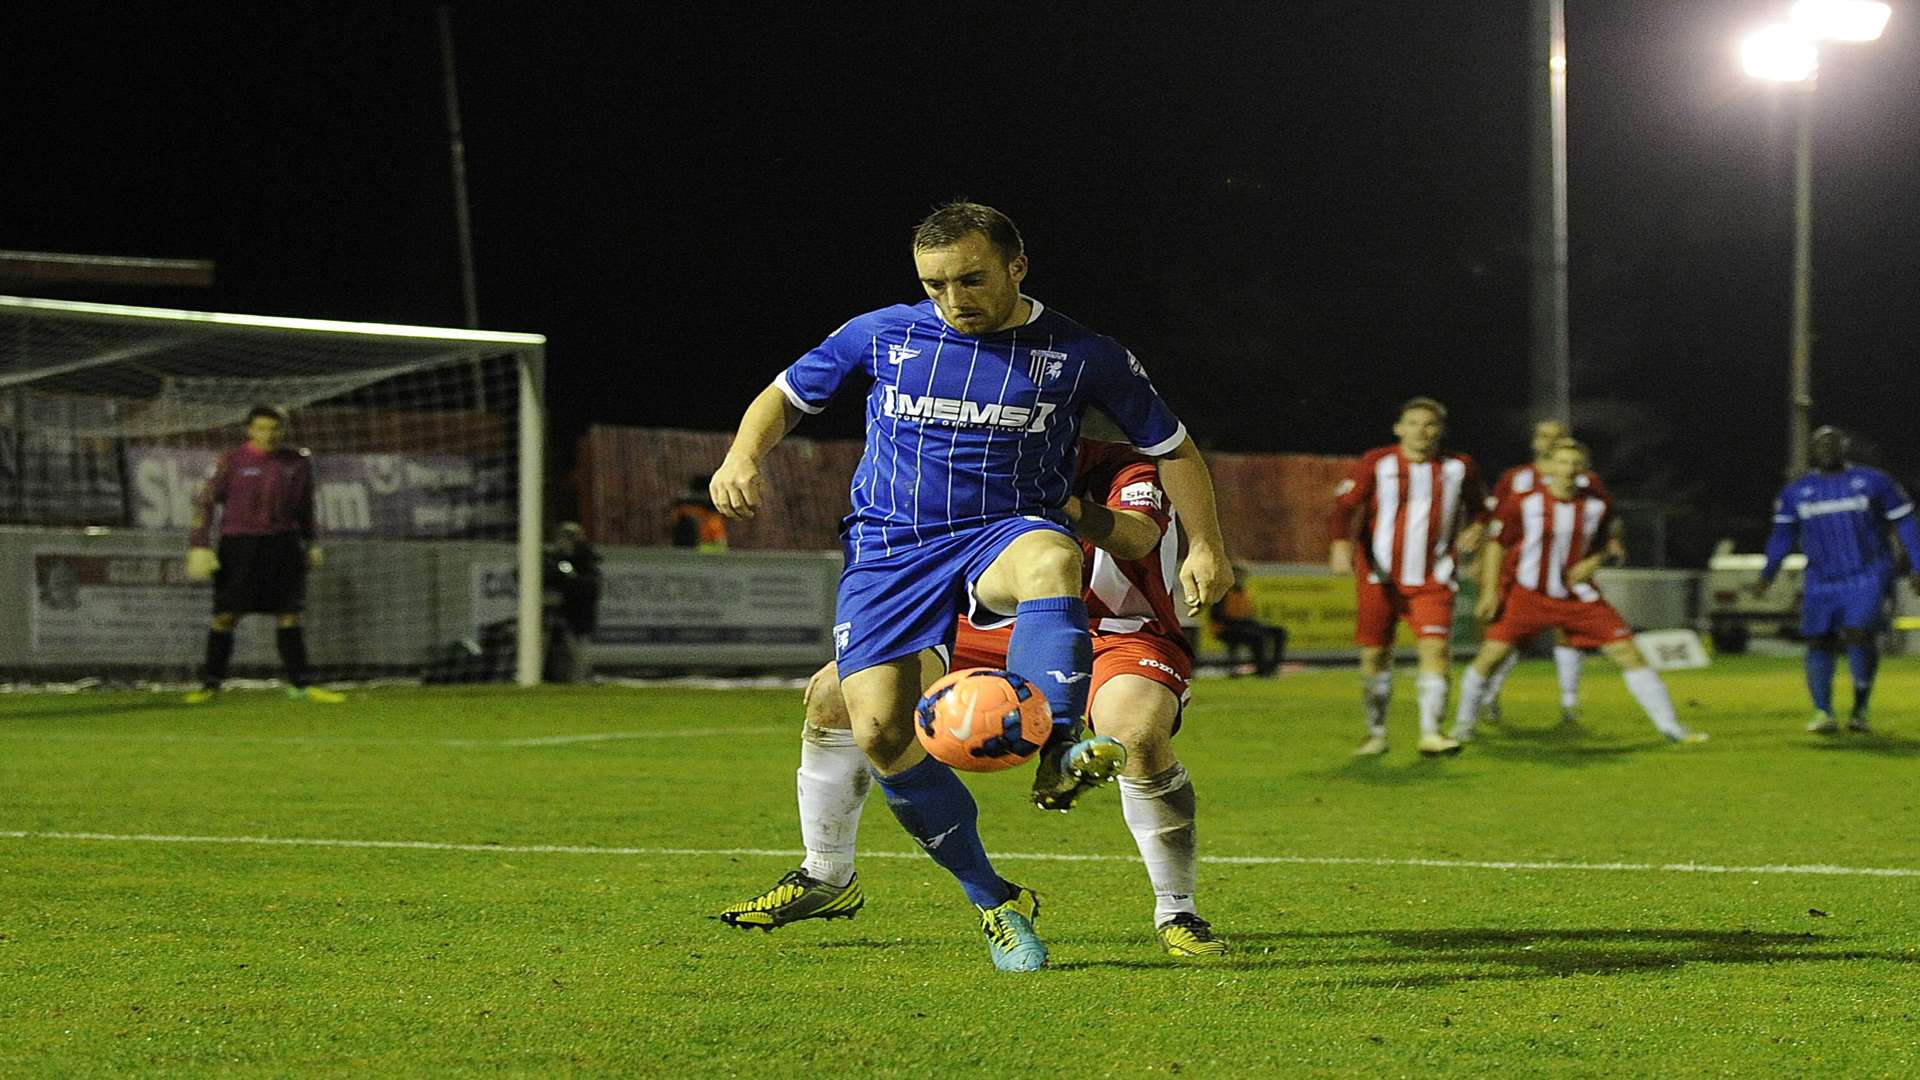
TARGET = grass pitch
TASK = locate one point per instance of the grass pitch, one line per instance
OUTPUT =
(440, 882)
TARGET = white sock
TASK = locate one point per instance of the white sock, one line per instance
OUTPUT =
(1473, 687)
(832, 783)
(1652, 695)
(1566, 662)
(1376, 692)
(1159, 812)
(1499, 677)
(1433, 701)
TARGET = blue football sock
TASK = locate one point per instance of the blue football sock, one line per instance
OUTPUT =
(1052, 650)
(1820, 665)
(939, 812)
(1863, 660)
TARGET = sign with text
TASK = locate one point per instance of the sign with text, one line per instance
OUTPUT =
(122, 607)
(393, 495)
(1317, 612)
(733, 606)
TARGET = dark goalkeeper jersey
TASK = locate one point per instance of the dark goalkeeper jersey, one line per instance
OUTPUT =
(259, 495)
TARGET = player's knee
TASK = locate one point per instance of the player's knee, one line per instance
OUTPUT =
(1492, 654)
(1625, 653)
(1853, 637)
(884, 742)
(825, 706)
(1050, 570)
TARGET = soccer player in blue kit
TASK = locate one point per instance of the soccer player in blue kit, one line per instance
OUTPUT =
(972, 421)
(1839, 513)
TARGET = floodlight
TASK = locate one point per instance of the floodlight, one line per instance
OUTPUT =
(1779, 53)
(1841, 20)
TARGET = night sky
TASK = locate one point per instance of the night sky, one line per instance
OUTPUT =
(1297, 214)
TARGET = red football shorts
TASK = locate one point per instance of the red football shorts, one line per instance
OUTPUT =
(1589, 624)
(1149, 656)
(1426, 609)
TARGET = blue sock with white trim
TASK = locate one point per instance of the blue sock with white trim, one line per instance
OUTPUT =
(1052, 650)
(939, 813)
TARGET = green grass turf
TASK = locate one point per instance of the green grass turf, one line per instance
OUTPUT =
(122, 956)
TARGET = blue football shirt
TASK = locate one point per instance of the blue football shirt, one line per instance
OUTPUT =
(964, 431)
(1840, 520)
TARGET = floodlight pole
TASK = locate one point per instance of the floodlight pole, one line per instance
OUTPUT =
(1549, 364)
(457, 156)
(1800, 367)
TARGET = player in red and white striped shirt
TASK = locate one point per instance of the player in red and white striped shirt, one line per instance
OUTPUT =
(1411, 506)
(1543, 549)
(1519, 480)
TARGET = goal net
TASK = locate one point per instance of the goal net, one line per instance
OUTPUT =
(426, 446)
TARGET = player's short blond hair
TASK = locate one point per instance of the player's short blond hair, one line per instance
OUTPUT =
(1573, 444)
(953, 222)
(1426, 403)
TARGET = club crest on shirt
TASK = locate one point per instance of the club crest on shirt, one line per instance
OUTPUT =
(897, 353)
(1045, 365)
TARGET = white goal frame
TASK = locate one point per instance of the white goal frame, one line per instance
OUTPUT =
(529, 351)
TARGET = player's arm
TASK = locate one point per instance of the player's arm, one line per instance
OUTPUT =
(201, 561)
(1582, 571)
(1473, 500)
(1348, 498)
(304, 514)
(1124, 534)
(1899, 513)
(735, 488)
(1786, 532)
(1616, 549)
(1206, 575)
(1119, 387)
(1493, 559)
(802, 389)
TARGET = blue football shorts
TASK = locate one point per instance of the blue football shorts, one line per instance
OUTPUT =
(1855, 603)
(893, 606)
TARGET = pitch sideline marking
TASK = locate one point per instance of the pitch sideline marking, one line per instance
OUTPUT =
(1030, 856)
(375, 740)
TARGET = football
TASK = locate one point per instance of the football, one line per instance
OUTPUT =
(983, 720)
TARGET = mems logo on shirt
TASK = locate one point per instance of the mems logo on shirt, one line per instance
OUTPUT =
(959, 412)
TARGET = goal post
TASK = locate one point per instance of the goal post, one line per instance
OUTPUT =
(427, 445)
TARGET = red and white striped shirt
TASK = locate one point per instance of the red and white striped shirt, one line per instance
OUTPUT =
(1413, 509)
(1545, 536)
(1524, 478)
(1130, 596)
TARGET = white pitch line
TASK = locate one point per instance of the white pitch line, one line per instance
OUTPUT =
(376, 740)
(1029, 856)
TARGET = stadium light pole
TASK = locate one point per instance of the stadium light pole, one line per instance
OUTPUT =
(1789, 53)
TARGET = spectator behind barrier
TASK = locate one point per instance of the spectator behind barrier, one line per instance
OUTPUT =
(1235, 625)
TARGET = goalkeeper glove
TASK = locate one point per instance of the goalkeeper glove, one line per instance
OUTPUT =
(201, 563)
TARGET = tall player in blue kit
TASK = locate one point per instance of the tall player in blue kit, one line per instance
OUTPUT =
(972, 419)
(1840, 513)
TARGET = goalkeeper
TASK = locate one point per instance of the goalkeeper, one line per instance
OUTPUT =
(265, 492)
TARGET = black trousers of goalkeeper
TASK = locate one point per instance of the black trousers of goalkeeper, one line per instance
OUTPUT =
(259, 575)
